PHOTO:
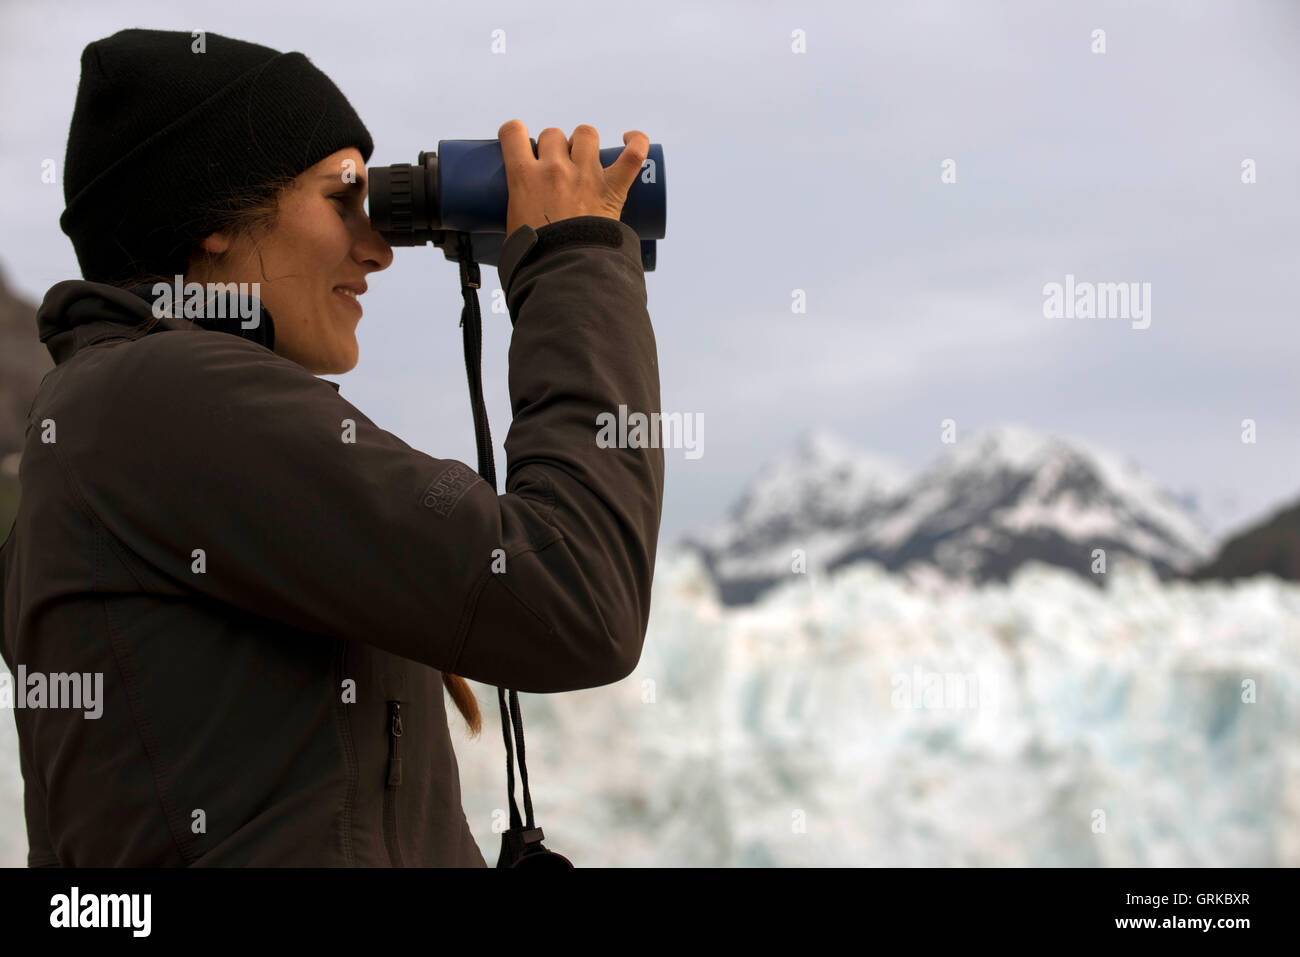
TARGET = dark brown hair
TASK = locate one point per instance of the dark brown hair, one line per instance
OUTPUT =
(250, 213)
(245, 213)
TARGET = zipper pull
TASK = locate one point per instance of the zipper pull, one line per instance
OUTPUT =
(394, 732)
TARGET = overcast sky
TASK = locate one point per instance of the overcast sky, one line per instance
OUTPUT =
(822, 171)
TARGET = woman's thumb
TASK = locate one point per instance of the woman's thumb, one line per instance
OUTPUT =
(636, 147)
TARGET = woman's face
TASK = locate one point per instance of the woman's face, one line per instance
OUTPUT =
(322, 240)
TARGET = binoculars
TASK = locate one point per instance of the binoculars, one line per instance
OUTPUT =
(461, 189)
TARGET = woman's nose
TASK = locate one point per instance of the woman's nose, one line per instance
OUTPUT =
(376, 249)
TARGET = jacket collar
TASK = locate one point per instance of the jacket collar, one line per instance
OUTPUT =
(76, 314)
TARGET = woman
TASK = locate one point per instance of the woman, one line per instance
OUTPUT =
(270, 589)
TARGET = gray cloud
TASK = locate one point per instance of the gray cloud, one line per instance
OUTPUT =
(822, 172)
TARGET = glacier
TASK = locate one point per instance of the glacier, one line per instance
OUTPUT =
(1110, 728)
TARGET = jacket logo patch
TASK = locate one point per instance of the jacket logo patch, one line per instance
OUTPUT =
(448, 488)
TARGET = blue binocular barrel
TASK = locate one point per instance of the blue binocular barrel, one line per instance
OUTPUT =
(474, 196)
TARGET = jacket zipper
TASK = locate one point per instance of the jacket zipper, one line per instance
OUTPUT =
(394, 779)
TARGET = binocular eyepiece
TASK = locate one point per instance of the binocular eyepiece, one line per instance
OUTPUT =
(462, 188)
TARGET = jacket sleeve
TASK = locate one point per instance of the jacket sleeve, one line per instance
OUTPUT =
(222, 469)
(40, 849)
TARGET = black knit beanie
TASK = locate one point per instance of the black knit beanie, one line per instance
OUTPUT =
(160, 133)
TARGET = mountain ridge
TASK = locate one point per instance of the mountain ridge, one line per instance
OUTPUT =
(1004, 496)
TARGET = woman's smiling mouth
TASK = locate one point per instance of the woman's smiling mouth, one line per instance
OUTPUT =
(349, 295)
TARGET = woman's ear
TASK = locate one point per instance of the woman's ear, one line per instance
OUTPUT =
(216, 244)
(208, 249)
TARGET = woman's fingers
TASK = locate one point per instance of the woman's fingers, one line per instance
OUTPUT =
(515, 146)
(584, 146)
(565, 178)
(552, 144)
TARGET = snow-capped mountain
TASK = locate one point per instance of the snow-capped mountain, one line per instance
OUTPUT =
(824, 483)
(992, 502)
(815, 498)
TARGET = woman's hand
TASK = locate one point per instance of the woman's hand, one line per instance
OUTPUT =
(565, 178)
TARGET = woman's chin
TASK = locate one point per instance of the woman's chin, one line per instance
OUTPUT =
(347, 361)
(334, 363)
